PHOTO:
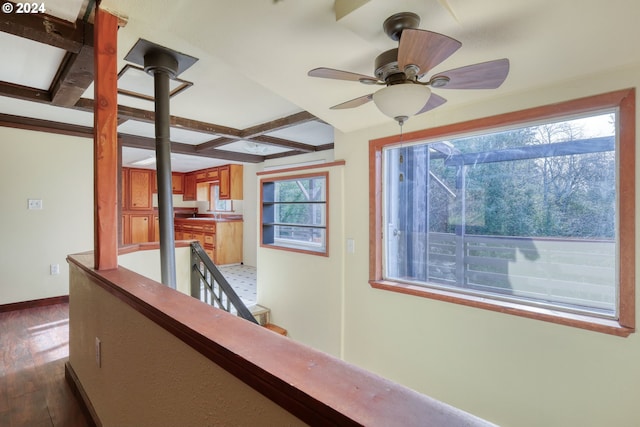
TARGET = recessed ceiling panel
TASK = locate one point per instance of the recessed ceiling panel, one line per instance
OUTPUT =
(313, 133)
(132, 127)
(179, 162)
(134, 81)
(250, 147)
(34, 110)
(28, 63)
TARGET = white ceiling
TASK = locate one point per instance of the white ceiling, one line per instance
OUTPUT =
(254, 55)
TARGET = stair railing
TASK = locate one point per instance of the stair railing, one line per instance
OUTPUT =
(210, 286)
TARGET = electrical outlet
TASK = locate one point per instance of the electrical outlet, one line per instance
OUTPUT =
(54, 269)
(98, 352)
(34, 204)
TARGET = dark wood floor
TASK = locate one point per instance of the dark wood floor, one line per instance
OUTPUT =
(34, 346)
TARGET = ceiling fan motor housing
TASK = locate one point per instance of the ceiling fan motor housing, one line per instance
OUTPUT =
(387, 64)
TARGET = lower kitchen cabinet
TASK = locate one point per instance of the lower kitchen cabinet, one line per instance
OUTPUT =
(221, 240)
(140, 228)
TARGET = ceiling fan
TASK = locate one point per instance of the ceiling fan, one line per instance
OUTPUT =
(401, 69)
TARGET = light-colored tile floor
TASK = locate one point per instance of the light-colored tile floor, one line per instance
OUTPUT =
(243, 280)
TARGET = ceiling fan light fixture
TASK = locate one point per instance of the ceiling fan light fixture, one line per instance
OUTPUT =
(401, 101)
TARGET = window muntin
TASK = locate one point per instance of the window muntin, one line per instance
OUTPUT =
(294, 213)
(623, 103)
(526, 214)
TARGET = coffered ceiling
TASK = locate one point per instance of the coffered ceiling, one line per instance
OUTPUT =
(251, 98)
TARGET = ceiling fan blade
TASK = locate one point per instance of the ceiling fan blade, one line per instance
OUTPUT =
(433, 102)
(356, 102)
(485, 75)
(330, 73)
(425, 49)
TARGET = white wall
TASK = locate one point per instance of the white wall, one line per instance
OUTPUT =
(250, 214)
(58, 170)
(148, 264)
(507, 369)
(303, 291)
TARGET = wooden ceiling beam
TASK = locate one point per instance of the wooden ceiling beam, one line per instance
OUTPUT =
(187, 149)
(214, 143)
(279, 142)
(45, 29)
(284, 122)
(75, 75)
(19, 122)
(12, 90)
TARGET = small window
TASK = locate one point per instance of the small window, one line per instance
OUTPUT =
(215, 204)
(523, 218)
(294, 213)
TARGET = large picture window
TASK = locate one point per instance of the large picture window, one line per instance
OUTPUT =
(522, 216)
(294, 213)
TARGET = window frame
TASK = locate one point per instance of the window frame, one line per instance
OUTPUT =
(213, 200)
(624, 102)
(263, 181)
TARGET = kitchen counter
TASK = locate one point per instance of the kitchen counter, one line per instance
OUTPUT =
(200, 219)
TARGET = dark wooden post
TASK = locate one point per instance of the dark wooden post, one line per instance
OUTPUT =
(105, 154)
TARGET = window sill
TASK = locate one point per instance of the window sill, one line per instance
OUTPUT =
(596, 324)
(295, 249)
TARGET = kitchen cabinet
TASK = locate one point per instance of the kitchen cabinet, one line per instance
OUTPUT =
(126, 229)
(177, 183)
(140, 228)
(140, 182)
(189, 187)
(228, 177)
(156, 228)
(221, 240)
(230, 181)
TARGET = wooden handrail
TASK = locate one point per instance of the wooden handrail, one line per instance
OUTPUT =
(315, 387)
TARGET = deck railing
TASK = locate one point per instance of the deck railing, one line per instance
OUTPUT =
(570, 271)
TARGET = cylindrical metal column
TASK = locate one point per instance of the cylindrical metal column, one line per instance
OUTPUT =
(163, 66)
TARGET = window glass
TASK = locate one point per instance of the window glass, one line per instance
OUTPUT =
(525, 214)
(294, 213)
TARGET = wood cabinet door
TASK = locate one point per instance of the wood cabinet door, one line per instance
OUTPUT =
(124, 189)
(126, 229)
(156, 228)
(140, 187)
(224, 177)
(189, 187)
(177, 183)
(230, 181)
(140, 229)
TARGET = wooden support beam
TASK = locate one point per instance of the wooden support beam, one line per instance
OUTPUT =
(12, 90)
(75, 74)
(45, 29)
(19, 122)
(187, 149)
(214, 143)
(284, 122)
(279, 142)
(106, 141)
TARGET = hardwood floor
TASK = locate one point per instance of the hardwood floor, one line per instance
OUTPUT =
(34, 345)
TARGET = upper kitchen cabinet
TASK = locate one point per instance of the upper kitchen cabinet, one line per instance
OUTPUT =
(140, 183)
(189, 187)
(230, 178)
(177, 183)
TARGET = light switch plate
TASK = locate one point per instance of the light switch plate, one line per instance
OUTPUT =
(34, 204)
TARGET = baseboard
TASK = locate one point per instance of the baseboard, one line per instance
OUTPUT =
(33, 303)
(81, 396)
